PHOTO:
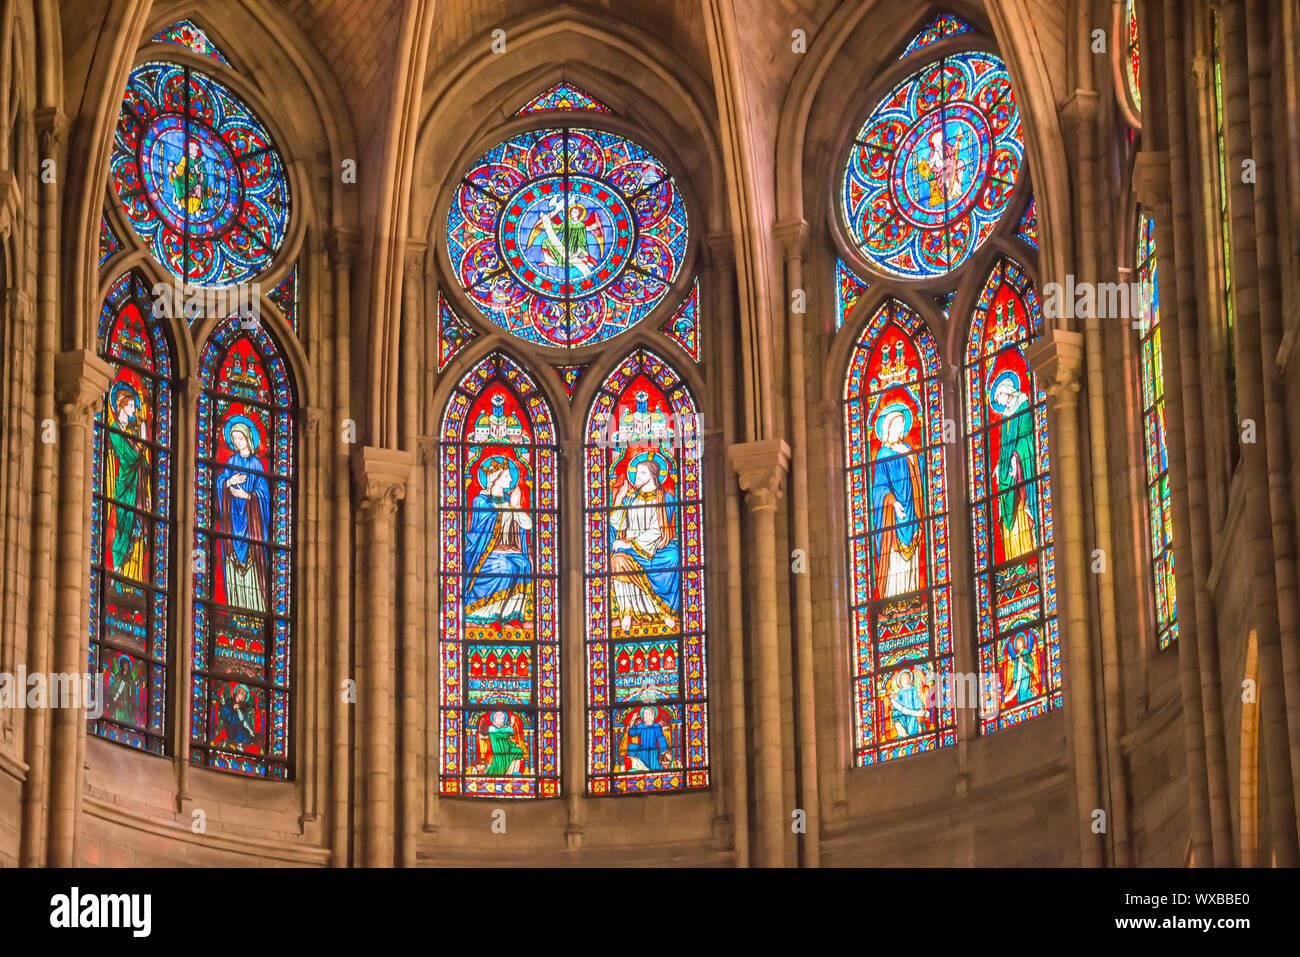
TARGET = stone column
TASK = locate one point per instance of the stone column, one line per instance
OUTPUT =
(1057, 361)
(381, 476)
(180, 641)
(51, 126)
(793, 237)
(1252, 402)
(342, 247)
(81, 379)
(761, 469)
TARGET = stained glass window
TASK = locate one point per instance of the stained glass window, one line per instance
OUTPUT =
(131, 521)
(109, 244)
(188, 34)
(901, 618)
(199, 179)
(285, 297)
(563, 96)
(499, 656)
(1152, 376)
(453, 334)
(569, 376)
(1132, 54)
(849, 289)
(945, 302)
(932, 169)
(644, 537)
(566, 237)
(1028, 228)
(1011, 502)
(684, 327)
(1225, 239)
(938, 29)
(245, 502)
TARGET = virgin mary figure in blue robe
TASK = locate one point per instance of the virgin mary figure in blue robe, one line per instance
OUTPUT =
(244, 503)
(497, 558)
(645, 555)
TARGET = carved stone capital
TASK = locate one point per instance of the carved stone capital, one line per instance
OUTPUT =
(51, 128)
(11, 200)
(312, 420)
(381, 476)
(341, 244)
(1202, 70)
(427, 450)
(1151, 181)
(80, 380)
(1057, 360)
(792, 234)
(761, 469)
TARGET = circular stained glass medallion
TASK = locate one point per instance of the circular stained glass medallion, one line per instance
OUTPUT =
(567, 237)
(931, 171)
(198, 176)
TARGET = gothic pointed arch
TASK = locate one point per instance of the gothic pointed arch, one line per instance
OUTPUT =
(499, 675)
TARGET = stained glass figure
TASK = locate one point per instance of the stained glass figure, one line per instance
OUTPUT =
(569, 376)
(109, 244)
(285, 297)
(245, 501)
(1011, 495)
(940, 28)
(566, 237)
(684, 327)
(453, 333)
(188, 34)
(499, 644)
(849, 289)
(131, 504)
(932, 169)
(198, 176)
(1028, 228)
(1160, 512)
(1133, 55)
(563, 96)
(644, 538)
(901, 617)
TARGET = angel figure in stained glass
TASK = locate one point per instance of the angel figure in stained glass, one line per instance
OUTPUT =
(1021, 681)
(500, 743)
(236, 721)
(645, 555)
(573, 249)
(906, 706)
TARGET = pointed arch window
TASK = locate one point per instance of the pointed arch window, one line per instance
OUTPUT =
(245, 500)
(499, 657)
(1011, 503)
(644, 536)
(902, 644)
(131, 538)
(1151, 376)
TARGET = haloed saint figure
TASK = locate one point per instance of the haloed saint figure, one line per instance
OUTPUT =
(497, 554)
(126, 476)
(895, 502)
(645, 556)
(244, 513)
(1017, 496)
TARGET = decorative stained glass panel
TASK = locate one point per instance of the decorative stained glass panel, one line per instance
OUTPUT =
(567, 237)
(245, 494)
(1133, 54)
(932, 169)
(1011, 503)
(684, 327)
(900, 592)
(1160, 515)
(285, 297)
(453, 334)
(647, 714)
(849, 289)
(563, 96)
(941, 27)
(130, 546)
(108, 241)
(499, 646)
(198, 176)
(188, 34)
(1028, 228)
(569, 376)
